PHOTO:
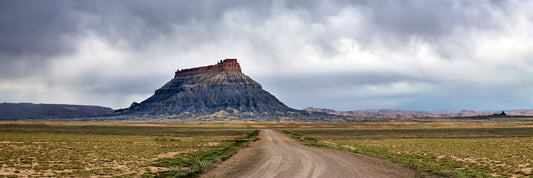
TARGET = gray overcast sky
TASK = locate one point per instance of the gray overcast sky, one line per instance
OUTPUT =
(344, 55)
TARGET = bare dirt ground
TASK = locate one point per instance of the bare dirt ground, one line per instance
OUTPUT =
(279, 155)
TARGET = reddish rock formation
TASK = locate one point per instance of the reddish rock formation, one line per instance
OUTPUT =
(227, 65)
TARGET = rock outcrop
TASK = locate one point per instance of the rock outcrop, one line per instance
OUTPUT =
(215, 92)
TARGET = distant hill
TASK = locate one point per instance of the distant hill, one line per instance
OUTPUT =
(385, 113)
(30, 110)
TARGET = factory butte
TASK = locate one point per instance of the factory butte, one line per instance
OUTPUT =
(215, 92)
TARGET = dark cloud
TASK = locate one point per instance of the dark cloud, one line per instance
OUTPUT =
(35, 29)
(33, 33)
(418, 18)
(30, 33)
(339, 54)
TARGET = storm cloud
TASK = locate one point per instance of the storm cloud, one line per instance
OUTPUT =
(347, 55)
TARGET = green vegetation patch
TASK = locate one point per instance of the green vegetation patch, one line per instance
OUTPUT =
(194, 163)
(301, 137)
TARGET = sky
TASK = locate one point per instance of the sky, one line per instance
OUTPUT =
(338, 54)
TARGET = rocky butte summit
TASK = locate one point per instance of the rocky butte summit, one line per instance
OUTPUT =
(216, 92)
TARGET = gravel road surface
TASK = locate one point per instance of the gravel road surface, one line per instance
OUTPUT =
(279, 155)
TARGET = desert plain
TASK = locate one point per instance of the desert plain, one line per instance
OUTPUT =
(133, 149)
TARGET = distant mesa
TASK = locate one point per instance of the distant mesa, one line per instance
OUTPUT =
(10, 111)
(502, 114)
(385, 113)
(214, 92)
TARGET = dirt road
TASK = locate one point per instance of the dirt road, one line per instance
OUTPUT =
(279, 155)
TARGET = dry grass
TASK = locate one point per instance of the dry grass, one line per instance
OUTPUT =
(102, 149)
(450, 149)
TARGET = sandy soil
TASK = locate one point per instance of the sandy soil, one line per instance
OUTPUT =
(279, 155)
